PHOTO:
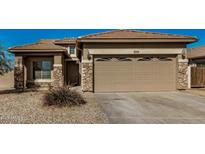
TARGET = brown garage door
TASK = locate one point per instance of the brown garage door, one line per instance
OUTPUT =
(134, 73)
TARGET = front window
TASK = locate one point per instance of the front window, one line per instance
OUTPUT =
(72, 49)
(42, 69)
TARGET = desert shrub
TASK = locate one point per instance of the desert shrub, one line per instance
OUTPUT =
(63, 96)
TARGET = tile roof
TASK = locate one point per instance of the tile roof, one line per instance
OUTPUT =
(197, 52)
(134, 34)
(41, 45)
(66, 41)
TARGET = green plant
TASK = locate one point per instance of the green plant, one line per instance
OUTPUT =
(63, 96)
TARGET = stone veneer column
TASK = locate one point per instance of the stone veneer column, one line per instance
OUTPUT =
(87, 77)
(182, 74)
(19, 83)
(58, 77)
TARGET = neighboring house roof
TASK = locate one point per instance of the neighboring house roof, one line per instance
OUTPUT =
(66, 41)
(198, 52)
(41, 45)
(136, 34)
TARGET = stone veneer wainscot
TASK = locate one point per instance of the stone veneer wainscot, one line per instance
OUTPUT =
(19, 77)
(87, 76)
(182, 74)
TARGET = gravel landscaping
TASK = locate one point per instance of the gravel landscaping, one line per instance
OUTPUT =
(28, 108)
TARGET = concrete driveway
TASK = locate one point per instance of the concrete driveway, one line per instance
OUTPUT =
(153, 107)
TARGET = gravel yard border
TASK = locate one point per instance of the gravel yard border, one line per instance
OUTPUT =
(27, 108)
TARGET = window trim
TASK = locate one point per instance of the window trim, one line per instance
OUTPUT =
(70, 50)
(43, 80)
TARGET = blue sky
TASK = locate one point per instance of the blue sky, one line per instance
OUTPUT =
(13, 37)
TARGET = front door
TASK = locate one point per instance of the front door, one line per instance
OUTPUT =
(72, 73)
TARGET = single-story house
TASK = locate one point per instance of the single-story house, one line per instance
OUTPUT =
(113, 61)
(196, 56)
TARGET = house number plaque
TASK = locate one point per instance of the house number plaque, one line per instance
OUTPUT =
(136, 51)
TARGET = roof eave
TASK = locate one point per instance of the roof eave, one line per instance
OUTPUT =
(197, 57)
(66, 43)
(188, 40)
(39, 51)
(36, 50)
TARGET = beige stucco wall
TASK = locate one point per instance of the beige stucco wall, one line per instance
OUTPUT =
(7, 80)
(58, 59)
(18, 60)
(130, 48)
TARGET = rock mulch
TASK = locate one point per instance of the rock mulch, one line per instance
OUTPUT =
(28, 108)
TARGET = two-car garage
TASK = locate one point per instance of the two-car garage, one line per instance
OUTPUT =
(115, 73)
(132, 60)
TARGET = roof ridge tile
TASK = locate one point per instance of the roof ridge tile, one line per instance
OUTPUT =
(136, 34)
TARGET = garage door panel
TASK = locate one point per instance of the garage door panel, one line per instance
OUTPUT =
(156, 75)
(112, 76)
(135, 75)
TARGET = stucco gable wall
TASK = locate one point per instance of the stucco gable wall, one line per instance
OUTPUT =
(129, 48)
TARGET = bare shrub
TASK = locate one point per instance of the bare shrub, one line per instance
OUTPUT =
(63, 96)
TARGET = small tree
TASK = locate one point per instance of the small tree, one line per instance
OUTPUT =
(5, 65)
